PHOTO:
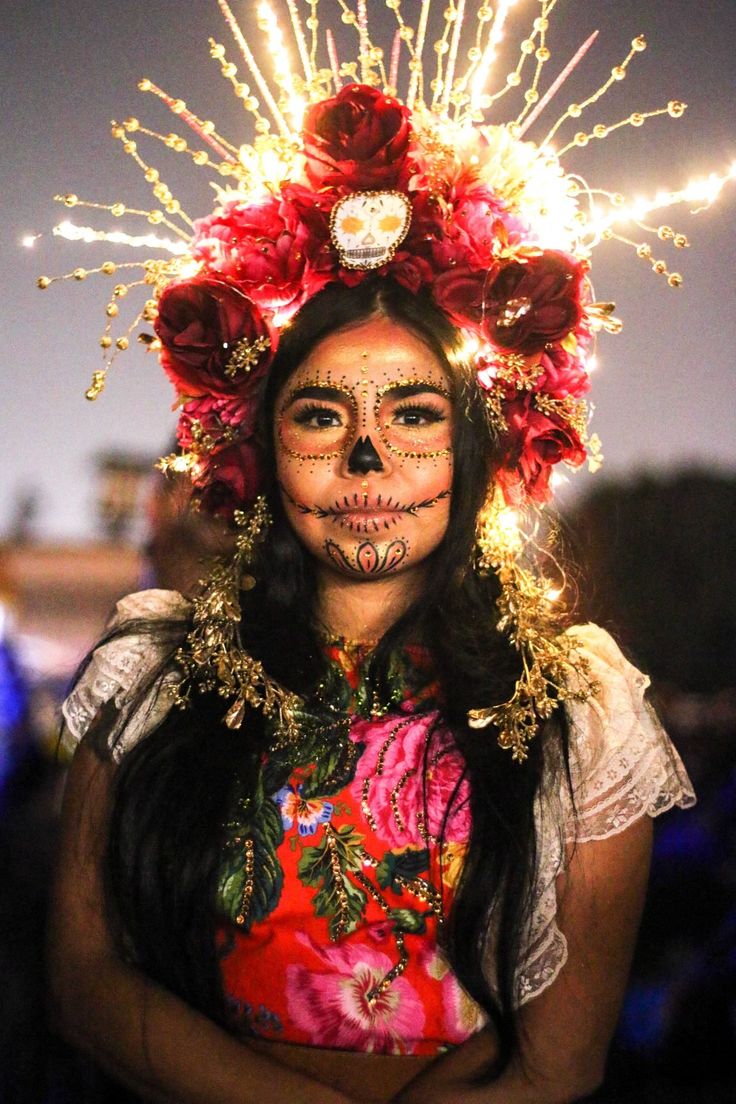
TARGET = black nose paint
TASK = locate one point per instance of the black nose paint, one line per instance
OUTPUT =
(364, 458)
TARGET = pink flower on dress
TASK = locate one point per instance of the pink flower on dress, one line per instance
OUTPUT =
(390, 778)
(331, 1004)
(463, 1017)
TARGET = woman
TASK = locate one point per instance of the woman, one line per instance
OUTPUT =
(394, 843)
(377, 461)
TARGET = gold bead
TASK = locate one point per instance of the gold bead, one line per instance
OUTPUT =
(43, 282)
(659, 267)
(229, 70)
(674, 279)
(543, 54)
(665, 233)
(105, 341)
(80, 273)
(178, 106)
(155, 217)
(312, 23)
(573, 188)
(117, 210)
(160, 190)
(151, 176)
(639, 43)
(120, 290)
(531, 95)
(217, 50)
(71, 200)
(180, 145)
(513, 80)
(199, 158)
(676, 108)
(527, 46)
(618, 72)
(109, 267)
(441, 47)
(450, 15)
(241, 90)
(681, 241)
(574, 111)
(637, 119)
(130, 146)
(173, 207)
(644, 251)
(117, 131)
(600, 130)
(617, 199)
(131, 124)
(581, 138)
(225, 168)
(247, 582)
(208, 127)
(169, 140)
(485, 14)
(607, 234)
(541, 24)
(150, 305)
(112, 310)
(122, 344)
(474, 53)
(144, 85)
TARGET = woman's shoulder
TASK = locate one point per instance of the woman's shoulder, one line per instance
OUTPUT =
(129, 673)
(622, 763)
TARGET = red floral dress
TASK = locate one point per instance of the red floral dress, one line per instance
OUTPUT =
(335, 883)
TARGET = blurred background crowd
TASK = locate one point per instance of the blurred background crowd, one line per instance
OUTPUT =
(655, 559)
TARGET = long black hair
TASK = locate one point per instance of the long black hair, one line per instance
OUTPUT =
(172, 789)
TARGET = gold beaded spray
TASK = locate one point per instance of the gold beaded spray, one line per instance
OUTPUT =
(451, 87)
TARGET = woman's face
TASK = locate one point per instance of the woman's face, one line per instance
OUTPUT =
(363, 435)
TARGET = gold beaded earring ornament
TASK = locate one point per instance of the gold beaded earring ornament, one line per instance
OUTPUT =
(358, 168)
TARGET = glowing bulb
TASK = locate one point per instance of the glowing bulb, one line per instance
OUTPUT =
(30, 240)
(552, 593)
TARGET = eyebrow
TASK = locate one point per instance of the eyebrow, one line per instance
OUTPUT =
(318, 391)
(407, 390)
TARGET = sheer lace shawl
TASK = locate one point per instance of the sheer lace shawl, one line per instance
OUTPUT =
(118, 672)
(623, 765)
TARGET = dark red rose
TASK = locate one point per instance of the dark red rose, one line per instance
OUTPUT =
(532, 304)
(533, 444)
(460, 293)
(201, 322)
(229, 480)
(210, 423)
(357, 139)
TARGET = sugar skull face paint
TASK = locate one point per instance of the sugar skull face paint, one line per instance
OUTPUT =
(364, 450)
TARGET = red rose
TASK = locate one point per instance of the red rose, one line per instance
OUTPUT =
(264, 246)
(201, 322)
(530, 448)
(209, 423)
(534, 304)
(357, 139)
(229, 480)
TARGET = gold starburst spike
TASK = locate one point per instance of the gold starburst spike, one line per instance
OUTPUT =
(255, 71)
(155, 215)
(161, 191)
(203, 128)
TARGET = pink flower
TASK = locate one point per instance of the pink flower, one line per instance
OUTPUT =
(331, 1004)
(211, 422)
(264, 245)
(393, 763)
(562, 374)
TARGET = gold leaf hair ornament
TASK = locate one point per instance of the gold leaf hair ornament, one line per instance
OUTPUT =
(213, 657)
(553, 671)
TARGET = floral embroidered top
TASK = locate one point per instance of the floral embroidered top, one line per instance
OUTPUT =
(333, 883)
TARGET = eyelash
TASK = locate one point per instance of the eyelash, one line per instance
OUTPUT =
(432, 413)
(307, 412)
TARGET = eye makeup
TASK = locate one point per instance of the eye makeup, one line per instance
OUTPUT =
(414, 417)
(316, 421)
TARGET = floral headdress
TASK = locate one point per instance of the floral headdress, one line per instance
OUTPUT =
(349, 175)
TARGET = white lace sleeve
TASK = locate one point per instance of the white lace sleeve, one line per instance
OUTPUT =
(622, 765)
(118, 669)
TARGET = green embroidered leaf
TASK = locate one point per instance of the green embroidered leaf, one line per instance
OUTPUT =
(334, 768)
(324, 866)
(408, 864)
(408, 920)
(266, 833)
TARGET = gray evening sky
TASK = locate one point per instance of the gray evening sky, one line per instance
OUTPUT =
(665, 393)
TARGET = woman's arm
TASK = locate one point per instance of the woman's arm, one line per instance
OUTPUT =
(135, 1029)
(565, 1031)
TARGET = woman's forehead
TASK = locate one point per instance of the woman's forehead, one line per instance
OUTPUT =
(379, 352)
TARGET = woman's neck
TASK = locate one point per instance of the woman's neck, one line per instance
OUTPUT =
(364, 610)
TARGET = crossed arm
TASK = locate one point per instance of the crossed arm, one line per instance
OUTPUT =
(168, 1052)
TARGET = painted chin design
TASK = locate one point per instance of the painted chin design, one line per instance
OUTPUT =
(368, 560)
